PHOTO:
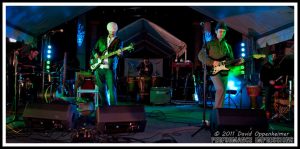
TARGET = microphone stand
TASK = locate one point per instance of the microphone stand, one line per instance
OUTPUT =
(204, 123)
(15, 100)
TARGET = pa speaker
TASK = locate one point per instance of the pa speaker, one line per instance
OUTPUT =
(49, 116)
(119, 119)
(239, 119)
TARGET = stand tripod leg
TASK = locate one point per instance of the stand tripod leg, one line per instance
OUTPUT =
(203, 126)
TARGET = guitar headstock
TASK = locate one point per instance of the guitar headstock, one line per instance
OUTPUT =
(258, 56)
(130, 47)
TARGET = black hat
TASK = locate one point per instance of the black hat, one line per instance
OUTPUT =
(221, 25)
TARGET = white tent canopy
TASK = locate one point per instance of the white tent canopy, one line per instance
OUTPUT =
(156, 35)
(269, 24)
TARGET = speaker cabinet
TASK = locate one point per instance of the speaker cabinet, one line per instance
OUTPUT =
(49, 116)
(239, 119)
(119, 119)
(160, 95)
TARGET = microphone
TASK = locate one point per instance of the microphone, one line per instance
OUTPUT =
(278, 78)
(58, 30)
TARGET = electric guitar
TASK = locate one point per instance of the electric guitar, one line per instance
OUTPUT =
(98, 61)
(223, 64)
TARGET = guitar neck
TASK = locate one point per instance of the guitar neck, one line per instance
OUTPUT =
(231, 61)
(114, 52)
(110, 54)
(255, 56)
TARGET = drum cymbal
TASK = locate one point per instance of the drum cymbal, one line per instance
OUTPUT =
(280, 86)
(27, 66)
(25, 73)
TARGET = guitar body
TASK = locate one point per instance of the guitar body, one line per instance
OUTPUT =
(96, 63)
(222, 67)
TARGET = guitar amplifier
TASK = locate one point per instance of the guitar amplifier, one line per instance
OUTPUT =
(160, 95)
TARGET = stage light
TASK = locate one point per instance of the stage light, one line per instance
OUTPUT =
(243, 49)
(48, 62)
(243, 54)
(49, 51)
(48, 56)
(12, 40)
(49, 47)
(242, 67)
(231, 84)
(242, 44)
(47, 67)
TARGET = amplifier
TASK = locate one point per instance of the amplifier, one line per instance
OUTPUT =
(160, 95)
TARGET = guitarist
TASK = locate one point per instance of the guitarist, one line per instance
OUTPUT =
(218, 50)
(106, 74)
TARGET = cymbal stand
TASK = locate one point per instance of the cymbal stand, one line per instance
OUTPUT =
(290, 98)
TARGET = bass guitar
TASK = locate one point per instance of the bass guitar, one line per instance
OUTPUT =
(98, 61)
(224, 64)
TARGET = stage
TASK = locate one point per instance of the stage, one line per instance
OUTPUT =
(174, 122)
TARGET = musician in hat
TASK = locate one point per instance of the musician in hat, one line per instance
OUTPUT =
(212, 54)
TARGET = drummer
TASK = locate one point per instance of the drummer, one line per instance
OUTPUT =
(269, 76)
(28, 66)
(145, 68)
(29, 62)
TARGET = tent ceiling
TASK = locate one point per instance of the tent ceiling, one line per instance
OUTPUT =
(154, 36)
(37, 20)
(259, 21)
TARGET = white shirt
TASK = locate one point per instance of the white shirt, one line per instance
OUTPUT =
(109, 40)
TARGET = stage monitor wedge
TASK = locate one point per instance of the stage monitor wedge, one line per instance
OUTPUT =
(121, 119)
(49, 116)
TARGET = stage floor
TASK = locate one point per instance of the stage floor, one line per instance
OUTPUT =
(176, 122)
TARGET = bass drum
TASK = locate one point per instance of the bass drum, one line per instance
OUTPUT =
(50, 93)
(54, 92)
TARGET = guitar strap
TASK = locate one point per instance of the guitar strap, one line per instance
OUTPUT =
(113, 43)
(227, 47)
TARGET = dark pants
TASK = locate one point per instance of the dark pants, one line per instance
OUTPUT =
(268, 94)
(106, 81)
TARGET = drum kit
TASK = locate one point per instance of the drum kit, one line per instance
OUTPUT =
(26, 83)
(283, 99)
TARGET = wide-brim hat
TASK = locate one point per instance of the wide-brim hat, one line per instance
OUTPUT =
(222, 25)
